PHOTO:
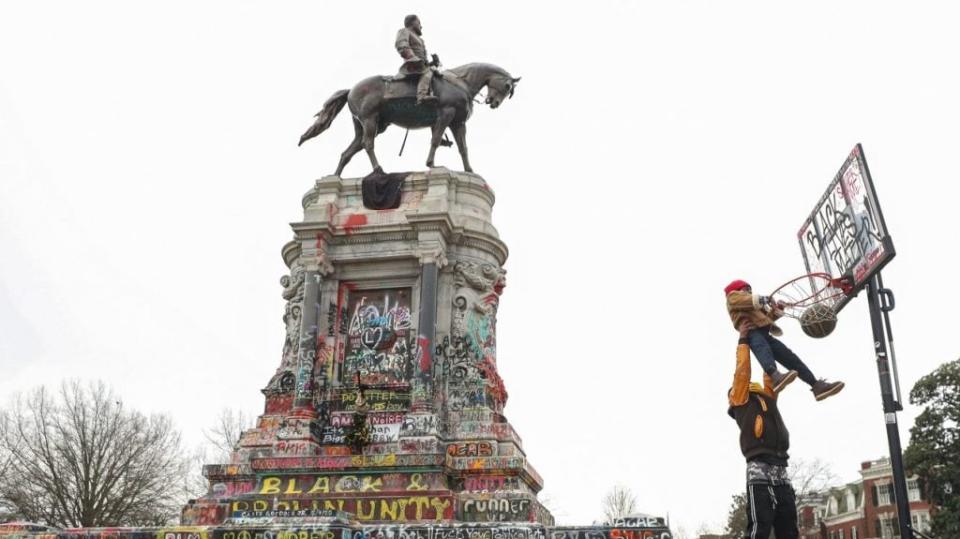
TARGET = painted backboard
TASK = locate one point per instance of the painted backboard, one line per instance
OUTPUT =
(846, 234)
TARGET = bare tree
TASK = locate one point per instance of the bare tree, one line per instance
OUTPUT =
(810, 476)
(618, 503)
(77, 457)
(222, 439)
(547, 500)
(225, 434)
(6, 512)
(704, 529)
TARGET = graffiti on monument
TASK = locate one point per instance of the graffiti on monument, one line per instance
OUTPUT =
(231, 488)
(470, 449)
(387, 508)
(603, 532)
(492, 509)
(478, 296)
(489, 483)
(351, 483)
(183, 532)
(468, 355)
(388, 531)
(420, 425)
(377, 400)
(466, 396)
(342, 462)
(378, 345)
(645, 521)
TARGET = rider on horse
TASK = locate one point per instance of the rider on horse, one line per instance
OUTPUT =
(377, 102)
(414, 53)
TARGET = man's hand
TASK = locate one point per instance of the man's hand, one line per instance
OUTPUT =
(435, 60)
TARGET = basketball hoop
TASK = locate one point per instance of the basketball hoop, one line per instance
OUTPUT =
(812, 299)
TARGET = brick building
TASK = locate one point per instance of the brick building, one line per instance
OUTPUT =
(863, 509)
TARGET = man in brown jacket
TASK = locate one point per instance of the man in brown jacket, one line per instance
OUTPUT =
(413, 50)
(756, 315)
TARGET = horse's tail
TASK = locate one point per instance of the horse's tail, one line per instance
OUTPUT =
(326, 115)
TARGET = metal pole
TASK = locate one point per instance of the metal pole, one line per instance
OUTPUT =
(404, 145)
(890, 406)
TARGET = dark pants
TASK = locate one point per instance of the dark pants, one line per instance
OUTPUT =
(769, 351)
(771, 508)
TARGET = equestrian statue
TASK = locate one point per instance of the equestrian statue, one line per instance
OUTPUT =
(419, 96)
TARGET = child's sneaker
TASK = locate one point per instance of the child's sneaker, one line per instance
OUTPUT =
(823, 389)
(782, 379)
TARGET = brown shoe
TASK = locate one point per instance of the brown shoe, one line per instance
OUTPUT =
(782, 379)
(823, 389)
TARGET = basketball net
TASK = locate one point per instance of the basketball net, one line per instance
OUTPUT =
(811, 298)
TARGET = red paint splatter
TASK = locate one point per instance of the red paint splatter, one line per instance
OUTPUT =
(354, 222)
(424, 344)
(332, 211)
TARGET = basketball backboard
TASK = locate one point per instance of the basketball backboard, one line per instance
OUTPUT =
(846, 234)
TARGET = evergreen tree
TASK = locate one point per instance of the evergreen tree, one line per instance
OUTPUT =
(934, 451)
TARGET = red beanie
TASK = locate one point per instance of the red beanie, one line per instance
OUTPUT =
(739, 284)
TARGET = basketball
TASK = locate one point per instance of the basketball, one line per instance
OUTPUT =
(818, 320)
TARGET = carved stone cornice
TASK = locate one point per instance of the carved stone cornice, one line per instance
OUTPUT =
(325, 185)
(377, 237)
(433, 253)
(291, 251)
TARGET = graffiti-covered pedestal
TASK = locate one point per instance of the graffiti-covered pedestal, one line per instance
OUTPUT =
(387, 405)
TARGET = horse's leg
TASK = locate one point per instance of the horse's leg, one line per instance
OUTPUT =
(460, 136)
(369, 133)
(353, 148)
(444, 116)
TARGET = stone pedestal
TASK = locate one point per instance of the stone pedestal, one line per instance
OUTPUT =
(387, 405)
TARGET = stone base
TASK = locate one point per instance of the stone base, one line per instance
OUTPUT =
(336, 528)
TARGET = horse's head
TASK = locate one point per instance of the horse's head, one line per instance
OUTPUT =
(500, 87)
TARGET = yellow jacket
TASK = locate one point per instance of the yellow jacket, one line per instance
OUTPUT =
(742, 386)
(745, 308)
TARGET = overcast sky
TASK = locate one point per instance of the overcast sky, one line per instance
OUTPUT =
(652, 153)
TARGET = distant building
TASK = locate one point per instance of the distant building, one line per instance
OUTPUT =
(863, 509)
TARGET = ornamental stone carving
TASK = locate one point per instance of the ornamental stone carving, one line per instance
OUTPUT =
(478, 288)
(293, 312)
(474, 326)
(293, 285)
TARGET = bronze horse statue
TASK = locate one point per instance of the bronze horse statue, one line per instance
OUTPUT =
(373, 110)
